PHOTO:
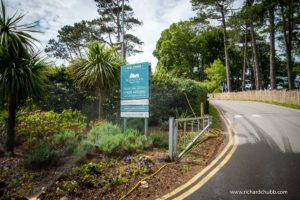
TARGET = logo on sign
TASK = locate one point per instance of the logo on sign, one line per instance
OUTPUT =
(132, 75)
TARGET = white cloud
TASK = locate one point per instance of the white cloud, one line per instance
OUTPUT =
(156, 15)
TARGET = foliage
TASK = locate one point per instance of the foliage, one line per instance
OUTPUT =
(67, 140)
(3, 123)
(216, 75)
(133, 141)
(158, 140)
(109, 23)
(71, 41)
(21, 73)
(177, 49)
(170, 95)
(40, 124)
(216, 120)
(41, 155)
(92, 168)
(110, 139)
(100, 70)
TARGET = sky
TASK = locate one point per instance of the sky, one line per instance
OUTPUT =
(52, 15)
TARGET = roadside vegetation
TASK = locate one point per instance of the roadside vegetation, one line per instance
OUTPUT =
(216, 118)
(294, 106)
(60, 128)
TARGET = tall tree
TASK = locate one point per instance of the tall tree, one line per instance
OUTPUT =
(289, 10)
(271, 11)
(208, 8)
(177, 48)
(216, 75)
(245, 57)
(250, 12)
(71, 41)
(21, 74)
(99, 70)
(110, 21)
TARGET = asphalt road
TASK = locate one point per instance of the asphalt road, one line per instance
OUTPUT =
(267, 157)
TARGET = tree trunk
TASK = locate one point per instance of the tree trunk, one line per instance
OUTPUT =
(245, 59)
(290, 46)
(100, 106)
(287, 35)
(272, 48)
(228, 72)
(12, 109)
(255, 56)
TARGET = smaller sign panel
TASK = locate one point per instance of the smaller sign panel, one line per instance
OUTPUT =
(135, 114)
(135, 102)
(135, 108)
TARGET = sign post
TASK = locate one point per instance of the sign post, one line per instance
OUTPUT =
(135, 92)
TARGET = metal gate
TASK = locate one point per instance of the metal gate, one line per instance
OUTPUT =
(184, 132)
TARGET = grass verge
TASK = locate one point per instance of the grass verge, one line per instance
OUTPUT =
(216, 119)
(288, 105)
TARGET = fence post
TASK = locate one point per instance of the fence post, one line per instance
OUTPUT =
(171, 138)
(298, 98)
(202, 114)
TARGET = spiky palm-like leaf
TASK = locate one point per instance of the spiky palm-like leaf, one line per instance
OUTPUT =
(15, 37)
(21, 74)
(100, 69)
(25, 78)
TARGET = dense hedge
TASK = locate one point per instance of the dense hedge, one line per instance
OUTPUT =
(169, 98)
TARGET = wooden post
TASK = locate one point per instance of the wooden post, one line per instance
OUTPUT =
(202, 113)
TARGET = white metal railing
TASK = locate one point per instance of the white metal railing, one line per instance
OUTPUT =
(202, 124)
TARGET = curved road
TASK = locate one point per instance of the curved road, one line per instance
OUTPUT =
(267, 157)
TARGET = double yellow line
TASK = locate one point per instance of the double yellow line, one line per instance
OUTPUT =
(207, 168)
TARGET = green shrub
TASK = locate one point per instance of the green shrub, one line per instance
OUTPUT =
(169, 98)
(167, 95)
(41, 155)
(89, 181)
(3, 123)
(132, 140)
(92, 168)
(158, 140)
(137, 124)
(109, 139)
(109, 144)
(68, 140)
(39, 124)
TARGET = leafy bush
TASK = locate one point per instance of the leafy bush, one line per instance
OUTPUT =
(67, 140)
(216, 75)
(39, 124)
(92, 168)
(158, 140)
(109, 139)
(132, 140)
(135, 123)
(3, 123)
(41, 156)
(171, 96)
(168, 94)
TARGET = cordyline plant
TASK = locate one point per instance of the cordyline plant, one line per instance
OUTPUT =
(21, 73)
(100, 70)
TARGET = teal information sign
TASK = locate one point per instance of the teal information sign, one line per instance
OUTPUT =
(135, 80)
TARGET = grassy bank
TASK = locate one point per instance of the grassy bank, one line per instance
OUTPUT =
(216, 119)
(294, 106)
